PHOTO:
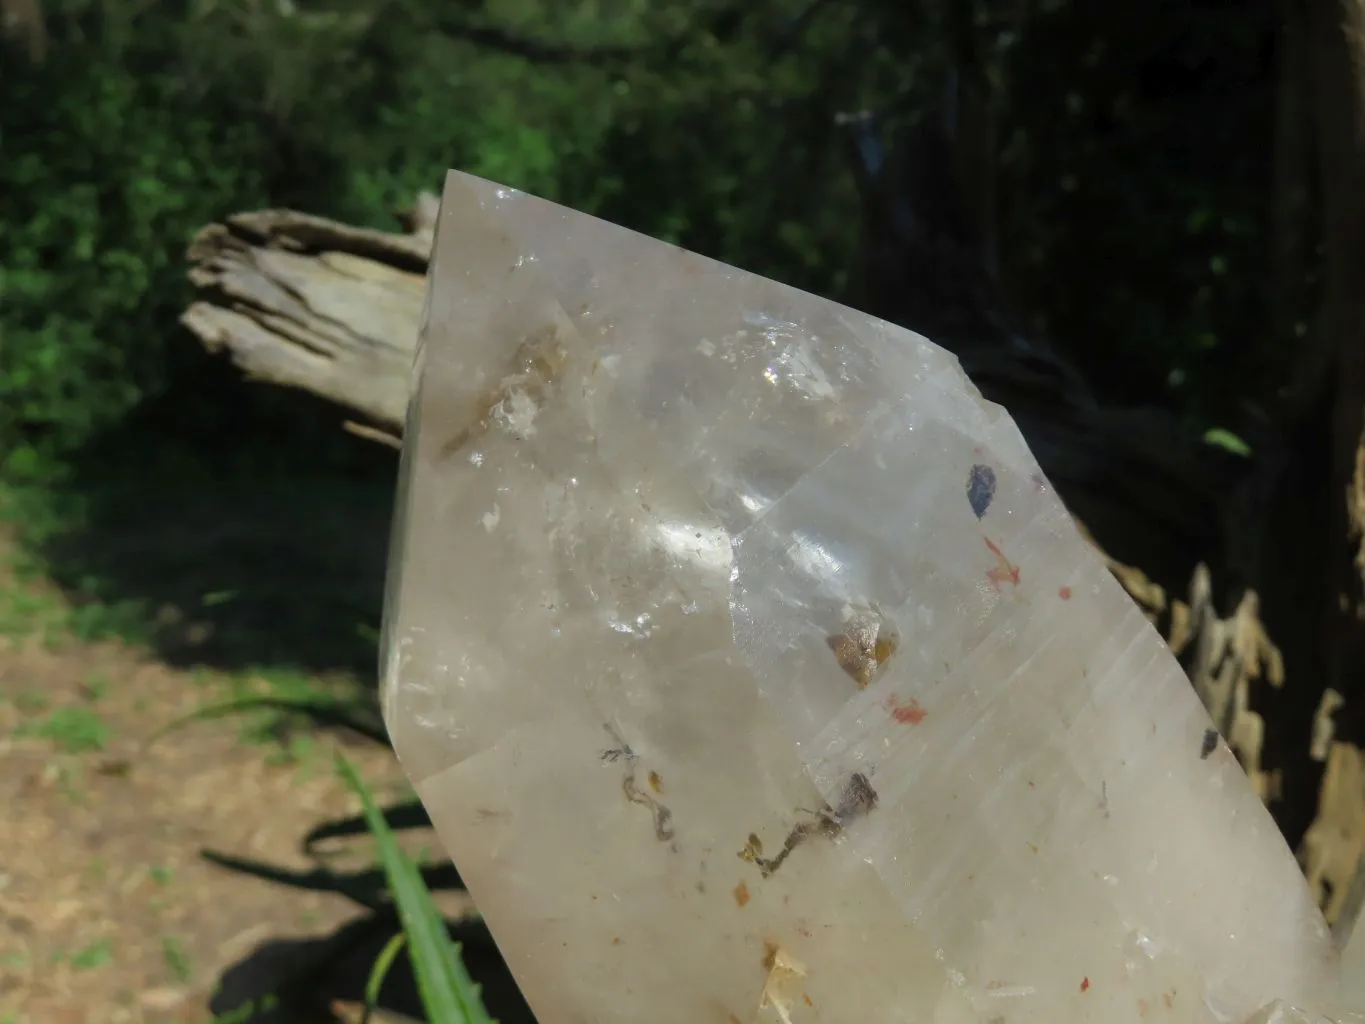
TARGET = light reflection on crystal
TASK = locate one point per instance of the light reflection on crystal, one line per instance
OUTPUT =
(810, 556)
(754, 503)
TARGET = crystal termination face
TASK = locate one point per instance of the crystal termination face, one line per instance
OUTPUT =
(751, 670)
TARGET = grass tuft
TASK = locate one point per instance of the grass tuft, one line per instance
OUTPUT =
(448, 993)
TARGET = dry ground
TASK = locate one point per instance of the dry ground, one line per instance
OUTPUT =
(108, 913)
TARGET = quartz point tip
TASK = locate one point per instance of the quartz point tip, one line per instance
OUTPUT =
(751, 670)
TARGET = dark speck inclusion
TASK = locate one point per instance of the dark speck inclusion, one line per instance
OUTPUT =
(1209, 743)
(980, 488)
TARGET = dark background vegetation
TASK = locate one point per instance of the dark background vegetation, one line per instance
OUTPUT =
(1134, 186)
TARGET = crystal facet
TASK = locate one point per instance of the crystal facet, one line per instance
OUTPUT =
(751, 670)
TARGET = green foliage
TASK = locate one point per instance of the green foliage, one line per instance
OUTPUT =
(448, 993)
(1228, 441)
(97, 954)
(74, 729)
(380, 969)
(177, 959)
(107, 174)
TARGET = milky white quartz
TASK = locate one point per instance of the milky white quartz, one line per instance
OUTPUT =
(751, 670)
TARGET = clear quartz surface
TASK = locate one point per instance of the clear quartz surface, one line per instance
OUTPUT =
(1353, 968)
(751, 670)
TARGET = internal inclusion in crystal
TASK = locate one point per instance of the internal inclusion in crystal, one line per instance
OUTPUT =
(858, 799)
(635, 793)
(865, 644)
(536, 366)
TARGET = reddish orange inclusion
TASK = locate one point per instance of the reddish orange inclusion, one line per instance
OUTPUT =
(1005, 571)
(909, 713)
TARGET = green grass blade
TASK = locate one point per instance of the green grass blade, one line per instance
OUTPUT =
(379, 972)
(1228, 441)
(448, 994)
(471, 992)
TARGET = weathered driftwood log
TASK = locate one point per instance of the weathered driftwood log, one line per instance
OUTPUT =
(308, 303)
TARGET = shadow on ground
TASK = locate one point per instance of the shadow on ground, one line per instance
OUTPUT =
(303, 981)
(251, 532)
(297, 981)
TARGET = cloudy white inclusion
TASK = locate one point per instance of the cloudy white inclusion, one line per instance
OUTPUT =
(704, 545)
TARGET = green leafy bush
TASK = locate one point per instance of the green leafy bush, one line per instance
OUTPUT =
(107, 173)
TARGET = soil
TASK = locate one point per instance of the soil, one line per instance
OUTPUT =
(109, 913)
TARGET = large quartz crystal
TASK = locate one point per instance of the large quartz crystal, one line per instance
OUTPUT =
(1353, 964)
(751, 670)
